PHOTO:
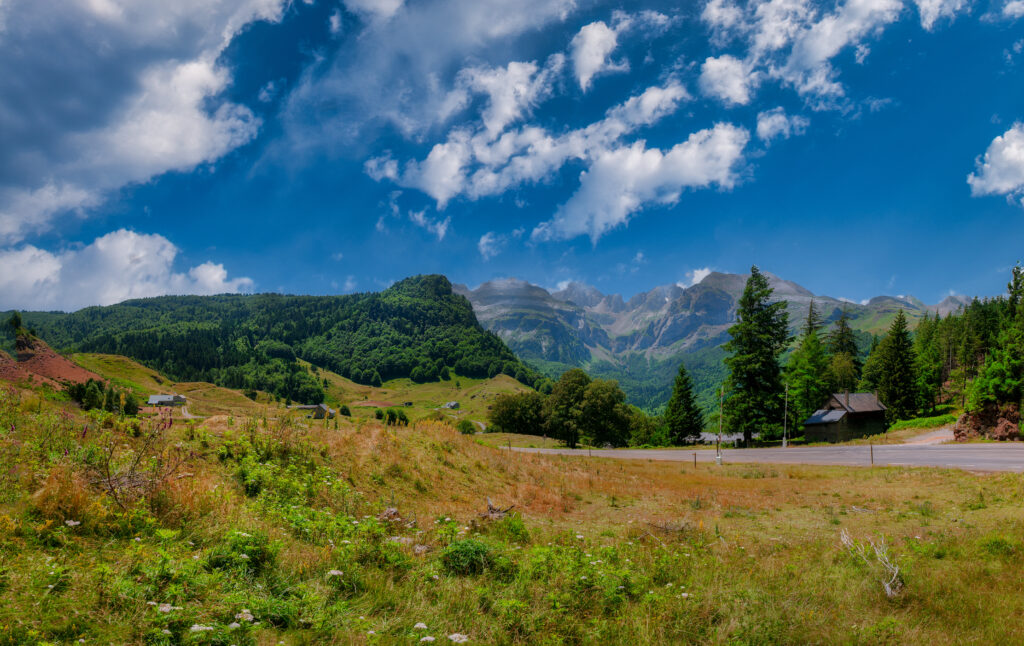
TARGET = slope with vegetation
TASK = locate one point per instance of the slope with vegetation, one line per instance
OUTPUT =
(417, 328)
(254, 530)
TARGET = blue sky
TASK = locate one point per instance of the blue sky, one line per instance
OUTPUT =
(859, 147)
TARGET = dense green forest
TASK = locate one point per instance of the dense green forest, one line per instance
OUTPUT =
(417, 328)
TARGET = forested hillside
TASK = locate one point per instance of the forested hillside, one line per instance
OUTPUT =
(417, 328)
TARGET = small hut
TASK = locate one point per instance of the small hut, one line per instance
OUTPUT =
(846, 416)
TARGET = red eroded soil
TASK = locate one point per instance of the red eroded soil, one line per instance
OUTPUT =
(11, 371)
(38, 358)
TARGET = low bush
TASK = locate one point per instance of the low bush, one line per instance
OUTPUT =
(467, 557)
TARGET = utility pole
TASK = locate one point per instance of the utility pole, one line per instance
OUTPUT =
(721, 414)
(785, 417)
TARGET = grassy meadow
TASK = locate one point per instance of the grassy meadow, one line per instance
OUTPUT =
(262, 530)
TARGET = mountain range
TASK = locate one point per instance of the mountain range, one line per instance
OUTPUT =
(641, 341)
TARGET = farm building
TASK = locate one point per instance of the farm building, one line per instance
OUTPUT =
(846, 416)
(166, 400)
(317, 411)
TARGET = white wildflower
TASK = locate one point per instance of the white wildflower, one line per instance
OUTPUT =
(234, 624)
(244, 557)
(72, 523)
(426, 638)
(335, 573)
(245, 615)
(196, 628)
(579, 536)
(420, 626)
(458, 638)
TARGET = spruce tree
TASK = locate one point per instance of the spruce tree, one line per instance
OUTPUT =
(897, 376)
(755, 379)
(813, 321)
(683, 417)
(807, 376)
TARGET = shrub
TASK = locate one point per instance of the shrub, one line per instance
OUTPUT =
(246, 551)
(379, 414)
(512, 529)
(465, 427)
(343, 410)
(468, 556)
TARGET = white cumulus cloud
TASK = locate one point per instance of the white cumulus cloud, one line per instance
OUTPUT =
(134, 94)
(591, 50)
(1014, 9)
(933, 10)
(695, 276)
(1000, 171)
(623, 180)
(117, 266)
(728, 79)
(775, 123)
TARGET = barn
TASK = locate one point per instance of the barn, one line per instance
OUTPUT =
(846, 416)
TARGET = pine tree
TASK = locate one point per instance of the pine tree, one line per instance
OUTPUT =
(683, 417)
(929, 361)
(375, 379)
(842, 340)
(897, 380)
(755, 379)
(807, 376)
(813, 321)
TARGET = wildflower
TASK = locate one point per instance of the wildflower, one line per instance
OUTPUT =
(420, 626)
(166, 607)
(137, 539)
(245, 615)
(579, 536)
(196, 628)
(346, 542)
(426, 638)
(244, 557)
(458, 638)
(165, 631)
(243, 534)
(234, 624)
(434, 577)
(684, 595)
(371, 632)
(335, 573)
(72, 523)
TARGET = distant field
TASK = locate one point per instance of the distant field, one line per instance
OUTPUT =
(474, 395)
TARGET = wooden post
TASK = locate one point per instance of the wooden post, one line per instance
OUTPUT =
(871, 447)
(694, 460)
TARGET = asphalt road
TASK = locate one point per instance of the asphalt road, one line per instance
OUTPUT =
(970, 457)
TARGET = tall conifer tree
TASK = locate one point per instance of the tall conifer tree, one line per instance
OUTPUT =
(897, 378)
(684, 418)
(807, 372)
(755, 378)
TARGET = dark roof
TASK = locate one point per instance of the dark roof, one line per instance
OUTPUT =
(859, 402)
(825, 416)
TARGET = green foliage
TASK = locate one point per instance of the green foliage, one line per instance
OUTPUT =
(415, 328)
(467, 557)
(757, 341)
(247, 551)
(344, 410)
(935, 421)
(465, 427)
(807, 376)
(897, 364)
(604, 418)
(396, 417)
(683, 418)
(562, 407)
(95, 395)
(518, 413)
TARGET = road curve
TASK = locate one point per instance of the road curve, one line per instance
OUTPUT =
(970, 457)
